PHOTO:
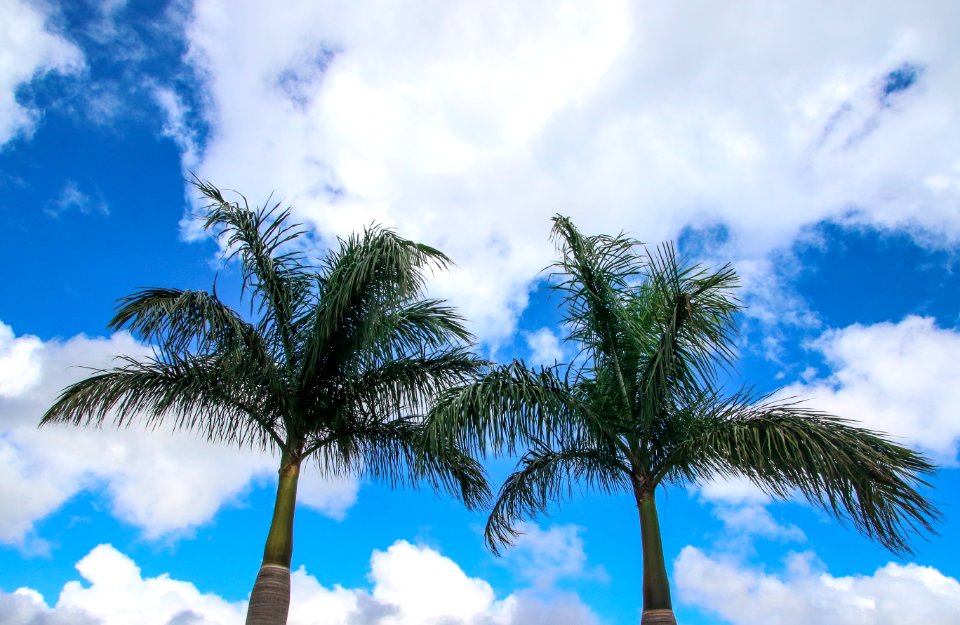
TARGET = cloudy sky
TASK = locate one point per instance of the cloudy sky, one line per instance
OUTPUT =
(815, 147)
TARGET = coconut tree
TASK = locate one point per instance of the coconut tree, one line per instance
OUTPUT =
(338, 365)
(643, 405)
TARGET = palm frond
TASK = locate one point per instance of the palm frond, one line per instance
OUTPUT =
(544, 477)
(181, 319)
(504, 409)
(394, 452)
(385, 389)
(856, 474)
(364, 283)
(194, 391)
(689, 329)
(422, 324)
(280, 280)
(592, 273)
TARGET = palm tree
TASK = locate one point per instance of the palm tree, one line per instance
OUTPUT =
(339, 365)
(642, 406)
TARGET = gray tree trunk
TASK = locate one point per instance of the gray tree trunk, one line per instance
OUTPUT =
(270, 599)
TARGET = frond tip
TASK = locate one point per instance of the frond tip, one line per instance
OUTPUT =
(858, 475)
(545, 476)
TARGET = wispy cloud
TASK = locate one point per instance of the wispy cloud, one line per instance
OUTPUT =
(72, 198)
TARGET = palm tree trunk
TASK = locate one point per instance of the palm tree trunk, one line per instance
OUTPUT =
(270, 597)
(657, 608)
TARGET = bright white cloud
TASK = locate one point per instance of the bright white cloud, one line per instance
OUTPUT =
(28, 48)
(732, 490)
(162, 482)
(19, 362)
(545, 347)
(411, 585)
(544, 556)
(741, 595)
(742, 508)
(899, 378)
(26, 607)
(399, 576)
(469, 125)
(756, 520)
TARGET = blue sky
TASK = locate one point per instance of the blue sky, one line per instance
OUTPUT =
(816, 150)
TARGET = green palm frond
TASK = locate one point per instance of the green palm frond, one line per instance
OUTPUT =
(688, 330)
(361, 287)
(592, 272)
(181, 320)
(273, 270)
(394, 452)
(856, 474)
(387, 388)
(417, 325)
(193, 391)
(504, 409)
(409, 382)
(545, 476)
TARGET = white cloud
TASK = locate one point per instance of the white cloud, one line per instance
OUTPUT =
(545, 556)
(28, 48)
(732, 490)
(469, 125)
(411, 585)
(176, 127)
(73, 198)
(742, 508)
(895, 593)
(160, 481)
(756, 520)
(19, 362)
(399, 575)
(26, 607)
(899, 378)
(545, 347)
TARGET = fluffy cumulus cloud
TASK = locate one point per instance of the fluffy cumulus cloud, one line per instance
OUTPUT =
(469, 125)
(900, 378)
(411, 585)
(545, 347)
(742, 508)
(29, 47)
(745, 522)
(545, 556)
(803, 593)
(162, 482)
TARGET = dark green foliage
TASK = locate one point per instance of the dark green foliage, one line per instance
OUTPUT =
(642, 405)
(340, 361)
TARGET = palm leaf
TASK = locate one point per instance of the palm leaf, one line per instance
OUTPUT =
(394, 452)
(194, 391)
(544, 476)
(361, 286)
(856, 474)
(505, 408)
(280, 281)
